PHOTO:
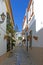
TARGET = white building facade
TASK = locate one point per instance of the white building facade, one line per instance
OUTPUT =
(17, 35)
(35, 22)
(3, 45)
(34, 17)
(6, 10)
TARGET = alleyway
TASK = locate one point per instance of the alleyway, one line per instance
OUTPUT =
(19, 57)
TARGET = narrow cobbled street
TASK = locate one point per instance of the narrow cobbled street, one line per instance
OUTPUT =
(21, 32)
(19, 57)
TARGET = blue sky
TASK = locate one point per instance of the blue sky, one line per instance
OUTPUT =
(18, 10)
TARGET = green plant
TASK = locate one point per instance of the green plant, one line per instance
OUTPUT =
(10, 38)
(19, 38)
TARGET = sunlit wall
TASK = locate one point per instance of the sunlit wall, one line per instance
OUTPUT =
(38, 10)
(2, 29)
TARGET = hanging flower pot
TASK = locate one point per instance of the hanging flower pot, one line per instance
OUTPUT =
(29, 37)
(23, 33)
(6, 37)
(35, 37)
(26, 28)
(24, 40)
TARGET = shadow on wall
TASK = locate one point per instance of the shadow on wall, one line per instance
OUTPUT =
(38, 35)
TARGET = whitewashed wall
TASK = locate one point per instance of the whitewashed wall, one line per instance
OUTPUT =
(36, 24)
(25, 23)
(39, 42)
(3, 44)
(38, 10)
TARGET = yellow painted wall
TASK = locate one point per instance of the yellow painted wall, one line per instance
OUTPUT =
(9, 10)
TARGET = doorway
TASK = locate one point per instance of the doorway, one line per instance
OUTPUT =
(8, 45)
(30, 42)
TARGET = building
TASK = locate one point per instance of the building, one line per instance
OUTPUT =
(24, 37)
(10, 20)
(9, 10)
(2, 29)
(5, 8)
(17, 35)
(34, 22)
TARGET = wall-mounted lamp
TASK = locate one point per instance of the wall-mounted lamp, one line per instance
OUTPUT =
(2, 17)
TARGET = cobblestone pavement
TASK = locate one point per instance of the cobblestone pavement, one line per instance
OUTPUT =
(19, 57)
